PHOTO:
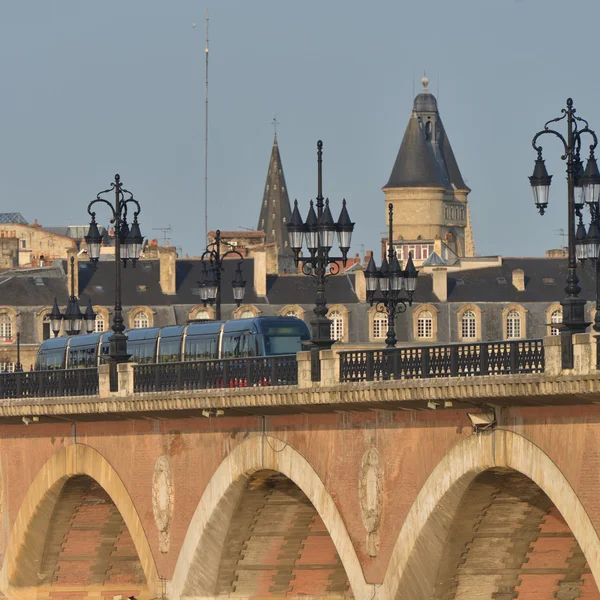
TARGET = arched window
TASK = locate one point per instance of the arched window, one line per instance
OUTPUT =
(379, 326)
(513, 325)
(141, 320)
(6, 329)
(46, 332)
(247, 314)
(100, 323)
(292, 313)
(556, 317)
(469, 325)
(337, 325)
(425, 325)
(202, 315)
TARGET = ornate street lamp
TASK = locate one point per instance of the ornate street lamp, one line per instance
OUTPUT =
(397, 285)
(128, 247)
(73, 317)
(212, 269)
(319, 232)
(582, 186)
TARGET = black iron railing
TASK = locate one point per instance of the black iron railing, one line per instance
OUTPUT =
(451, 360)
(208, 374)
(48, 384)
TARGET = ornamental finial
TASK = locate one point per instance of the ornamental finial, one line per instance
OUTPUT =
(425, 82)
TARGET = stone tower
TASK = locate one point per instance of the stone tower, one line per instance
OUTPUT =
(427, 190)
(275, 211)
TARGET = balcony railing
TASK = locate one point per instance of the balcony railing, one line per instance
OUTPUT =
(451, 360)
(208, 374)
(49, 384)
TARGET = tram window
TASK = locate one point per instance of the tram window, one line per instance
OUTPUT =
(169, 350)
(201, 348)
(239, 344)
(142, 351)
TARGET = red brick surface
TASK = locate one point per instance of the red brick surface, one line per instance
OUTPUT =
(410, 445)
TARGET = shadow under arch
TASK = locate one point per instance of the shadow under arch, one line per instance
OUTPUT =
(197, 567)
(25, 543)
(433, 510)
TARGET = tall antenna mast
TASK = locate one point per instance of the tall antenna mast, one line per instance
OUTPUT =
(206, 141)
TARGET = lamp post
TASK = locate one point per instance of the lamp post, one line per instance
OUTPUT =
(319, 230)
(397, 286)
(587, 245)
(131, 240)
(18, 366)
(73, 316)
(212, 270)
(582, 187)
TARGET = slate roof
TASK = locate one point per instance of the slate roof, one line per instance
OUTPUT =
(425, 163)
(275, 209)
(32, 291)
(300, 289)
(544, 282)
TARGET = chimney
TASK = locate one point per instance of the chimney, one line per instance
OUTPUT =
(360, 286)
(72, 252)
(272, 254)
(440, 283)
(518, 279)
(260, 272)
(167, 258)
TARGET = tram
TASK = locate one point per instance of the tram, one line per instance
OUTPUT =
(209, 340)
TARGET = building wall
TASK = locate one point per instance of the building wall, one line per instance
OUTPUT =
(35, 242)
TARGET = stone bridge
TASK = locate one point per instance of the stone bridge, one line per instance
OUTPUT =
(368, 490)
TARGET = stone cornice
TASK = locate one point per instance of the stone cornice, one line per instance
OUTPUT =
(509, 390)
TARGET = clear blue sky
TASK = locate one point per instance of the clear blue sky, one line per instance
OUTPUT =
(91, 89)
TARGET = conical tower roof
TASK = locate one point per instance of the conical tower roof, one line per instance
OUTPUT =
(426, 160)
(275, 211)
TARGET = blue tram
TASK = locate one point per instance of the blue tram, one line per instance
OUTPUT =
(260, 336)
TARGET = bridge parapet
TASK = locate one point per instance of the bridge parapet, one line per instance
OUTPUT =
(520, 372)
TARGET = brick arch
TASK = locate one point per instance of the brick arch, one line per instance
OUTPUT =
(508, 536)
(199, 564)
(71, 475)
(415, 561)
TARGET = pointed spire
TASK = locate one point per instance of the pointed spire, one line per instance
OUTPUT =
(275, 211)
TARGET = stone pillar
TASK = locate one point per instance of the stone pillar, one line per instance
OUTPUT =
(330, 367)
(552, 358)
(167, 258)
(125, 378)
(104, 381)
(583, 363)
(304, 374)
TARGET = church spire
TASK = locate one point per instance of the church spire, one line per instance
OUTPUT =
(275, 211)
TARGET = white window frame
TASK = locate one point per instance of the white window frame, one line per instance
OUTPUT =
(468, 322)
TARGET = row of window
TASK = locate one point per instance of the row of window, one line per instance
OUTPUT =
(425, 329)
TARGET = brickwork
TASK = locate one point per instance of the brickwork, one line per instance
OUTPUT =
(412, 446)
(508, 541)
(278, 546)
(88, 547)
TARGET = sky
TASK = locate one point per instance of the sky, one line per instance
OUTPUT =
(94, 89)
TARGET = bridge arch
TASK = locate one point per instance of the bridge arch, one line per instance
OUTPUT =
(433, 510)
(198, 564)
(69, 462)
